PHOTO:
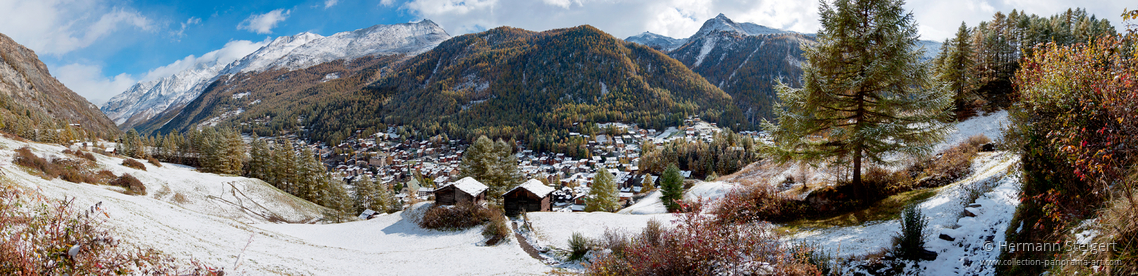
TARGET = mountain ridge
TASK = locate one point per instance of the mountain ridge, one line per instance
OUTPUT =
(502, 82)
(149, 100)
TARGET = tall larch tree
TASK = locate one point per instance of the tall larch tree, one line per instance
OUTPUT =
(865, 95)
(260, 160)
(603, 195)
(956, 62)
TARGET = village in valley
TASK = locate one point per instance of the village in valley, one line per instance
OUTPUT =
(420, 170)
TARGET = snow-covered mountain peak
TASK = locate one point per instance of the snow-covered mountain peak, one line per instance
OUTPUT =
(407, 38)
(723, 24)
(147, 99)
(262, 58)
(658, 41)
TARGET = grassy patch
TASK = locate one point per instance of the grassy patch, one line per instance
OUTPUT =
(886, 209)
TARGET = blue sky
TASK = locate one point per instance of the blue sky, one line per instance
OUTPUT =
(99, 48)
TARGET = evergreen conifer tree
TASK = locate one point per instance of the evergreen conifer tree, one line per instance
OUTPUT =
(955, 62)
(671, 188)
(492, 164)
(865, 95)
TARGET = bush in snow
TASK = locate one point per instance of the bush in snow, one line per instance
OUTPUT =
(67, 169)
(755, 203)
(496, 229)
(911, 243)
(132, 185)
(578, 246)
(154, 162)
(457, 217)
(133, 164)
(953, 163)
(81, 154)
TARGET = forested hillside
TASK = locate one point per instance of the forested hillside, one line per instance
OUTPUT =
(34, 105)
(270, 101)
(512, 82)
(504, 82)
(979, 62)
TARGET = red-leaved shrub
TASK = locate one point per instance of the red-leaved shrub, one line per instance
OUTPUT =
(700, 245)
(38, 240)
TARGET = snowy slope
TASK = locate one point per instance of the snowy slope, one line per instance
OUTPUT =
(145, 100)
(706, 191)
(993, 174)
(553, 229)
(218, 218)
(991, 125)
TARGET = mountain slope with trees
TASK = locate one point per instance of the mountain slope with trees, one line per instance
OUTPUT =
(34, 105)
(746, 65)
(502, 83)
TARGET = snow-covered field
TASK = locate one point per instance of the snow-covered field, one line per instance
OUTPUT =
(706, 191)
(991, 125)
(553, 229)
(217, 218)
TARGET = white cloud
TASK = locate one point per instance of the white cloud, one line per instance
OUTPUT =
(330, 3)
(189, 22)
(56, 27)
(263, 23)
(88, 81)
(386, 3)
(937, 19)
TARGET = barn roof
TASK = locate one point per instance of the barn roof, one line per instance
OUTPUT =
(534, 186)
(468, 185)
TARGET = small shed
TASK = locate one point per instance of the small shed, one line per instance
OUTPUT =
(463, 190)
(531, 196)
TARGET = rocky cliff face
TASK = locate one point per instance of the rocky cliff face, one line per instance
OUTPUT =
(31, 93)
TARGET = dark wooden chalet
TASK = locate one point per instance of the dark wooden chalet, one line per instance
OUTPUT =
(531, 196)
(463, 190)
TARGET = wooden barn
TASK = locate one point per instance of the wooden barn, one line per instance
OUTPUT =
(463, 190)
(531, 196)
